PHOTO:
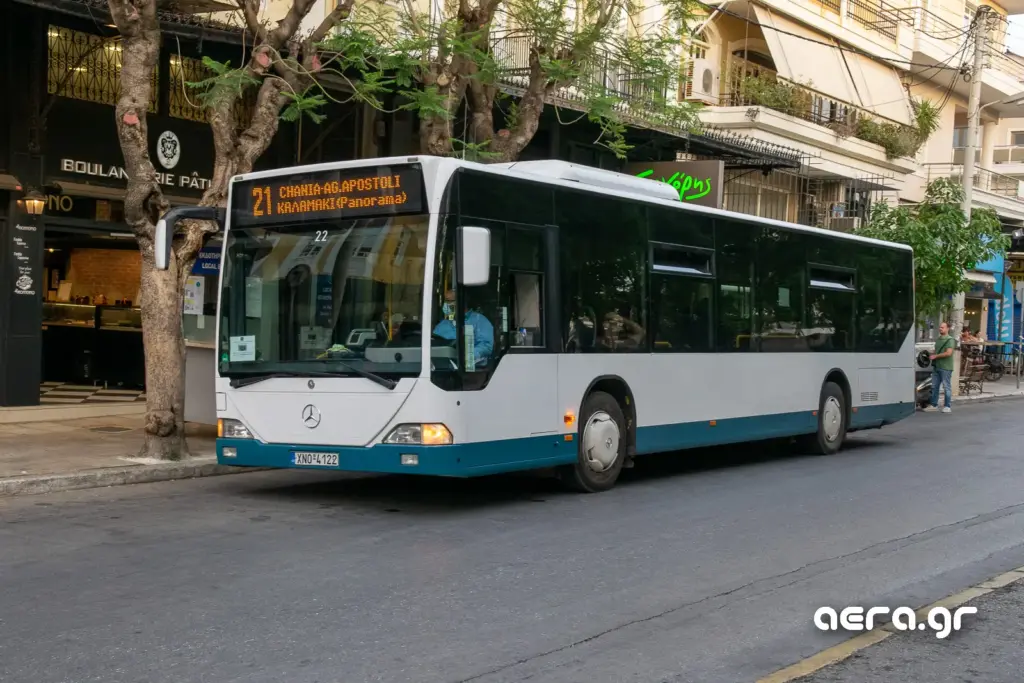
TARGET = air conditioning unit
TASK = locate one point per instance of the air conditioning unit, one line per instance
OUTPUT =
(844, 224)
(702, 81)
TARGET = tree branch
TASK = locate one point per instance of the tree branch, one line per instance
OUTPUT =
(340, 13)
(287, 27)
(126, 17)
(250, 9)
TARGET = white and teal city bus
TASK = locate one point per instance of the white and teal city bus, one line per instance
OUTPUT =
(435, 316)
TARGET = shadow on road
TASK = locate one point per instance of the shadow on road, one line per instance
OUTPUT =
(433, 495)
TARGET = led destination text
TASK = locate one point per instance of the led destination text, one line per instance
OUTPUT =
(334, 195)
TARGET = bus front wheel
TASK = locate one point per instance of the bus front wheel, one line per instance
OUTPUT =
(601, 447)
(831, 422)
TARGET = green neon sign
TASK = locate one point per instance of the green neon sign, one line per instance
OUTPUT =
(688, 187)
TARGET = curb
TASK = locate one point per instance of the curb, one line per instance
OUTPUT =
(844, 650)
(118, 476)
(990, 399)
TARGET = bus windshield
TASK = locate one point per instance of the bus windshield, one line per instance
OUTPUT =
(342, 297)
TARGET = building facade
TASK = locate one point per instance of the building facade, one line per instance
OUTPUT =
(70, 324)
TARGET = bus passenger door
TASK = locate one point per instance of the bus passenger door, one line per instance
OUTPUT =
(517, 386)
(529, 324)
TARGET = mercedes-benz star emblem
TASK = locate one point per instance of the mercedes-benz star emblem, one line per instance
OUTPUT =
(310, 416)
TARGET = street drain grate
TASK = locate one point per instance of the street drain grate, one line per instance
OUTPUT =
(110, 430)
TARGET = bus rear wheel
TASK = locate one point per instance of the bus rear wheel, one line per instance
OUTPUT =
(831, 422)
(601, 445)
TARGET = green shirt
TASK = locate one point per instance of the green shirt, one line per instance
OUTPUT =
(943, 343)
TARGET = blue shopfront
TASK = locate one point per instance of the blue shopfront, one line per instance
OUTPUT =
(991, 307)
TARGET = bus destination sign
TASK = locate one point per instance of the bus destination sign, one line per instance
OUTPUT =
(341, 194)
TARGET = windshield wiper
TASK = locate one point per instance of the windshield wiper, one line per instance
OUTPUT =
(238, 382)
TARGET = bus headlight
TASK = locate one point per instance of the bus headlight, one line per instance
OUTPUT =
(420, 435)
(232, 429)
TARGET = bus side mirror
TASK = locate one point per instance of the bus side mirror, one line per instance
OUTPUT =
(163, 236)
(475, 256)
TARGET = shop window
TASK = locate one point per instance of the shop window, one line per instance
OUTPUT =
(83, 66)
(185, 101)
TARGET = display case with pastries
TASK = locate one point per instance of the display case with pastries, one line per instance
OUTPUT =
(120, 318)
(69, 315)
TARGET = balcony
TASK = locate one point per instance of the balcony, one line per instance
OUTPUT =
(1002, 193)
(848, 128)
(1009, 159)
(604, 72)
(939, 42)
(879, 16)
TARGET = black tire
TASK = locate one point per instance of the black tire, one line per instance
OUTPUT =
(819, 443)
(582, 476)
(995, 373)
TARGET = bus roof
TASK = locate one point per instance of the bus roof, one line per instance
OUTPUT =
(565, 174)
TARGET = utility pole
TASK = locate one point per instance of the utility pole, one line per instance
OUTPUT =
(981, 25)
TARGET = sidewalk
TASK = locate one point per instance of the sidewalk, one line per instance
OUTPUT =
(986, 648)
(994, 391)
(40, 457)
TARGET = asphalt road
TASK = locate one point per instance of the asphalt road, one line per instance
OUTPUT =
(699, 567)
(987, 649)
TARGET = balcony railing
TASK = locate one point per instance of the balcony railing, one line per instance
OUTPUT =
(752, 85)
(1008, 154)
(603, 71)
(879, 16)
(984, 180)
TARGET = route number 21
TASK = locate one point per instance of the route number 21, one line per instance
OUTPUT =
(261, 195)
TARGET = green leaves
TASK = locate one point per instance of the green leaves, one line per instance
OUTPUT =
(898, 140)
(301, 104)
(223, 83)
(945, 244)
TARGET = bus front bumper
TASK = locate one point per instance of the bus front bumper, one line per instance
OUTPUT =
(458, 460)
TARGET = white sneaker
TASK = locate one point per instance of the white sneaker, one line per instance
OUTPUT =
(931, 409)
(947, 409)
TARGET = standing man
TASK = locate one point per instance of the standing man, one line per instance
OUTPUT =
(942, 369)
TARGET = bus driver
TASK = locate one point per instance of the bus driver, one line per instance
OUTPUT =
(483, 331)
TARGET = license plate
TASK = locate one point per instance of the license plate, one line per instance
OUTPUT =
(315, 459)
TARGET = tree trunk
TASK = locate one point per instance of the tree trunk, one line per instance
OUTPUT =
(162, 291)
(165, 362)
(435, 136)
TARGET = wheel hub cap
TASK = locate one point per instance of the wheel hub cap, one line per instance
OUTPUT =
(601, 441)
(832, 418)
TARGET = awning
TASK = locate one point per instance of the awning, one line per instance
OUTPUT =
(9, 182)
(112, 193)
(879, 88)
(977, 276)
(844, 75)
(801, 57)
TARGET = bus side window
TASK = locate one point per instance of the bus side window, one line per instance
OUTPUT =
(526, 327)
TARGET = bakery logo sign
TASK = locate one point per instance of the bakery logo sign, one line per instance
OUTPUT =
(168, 149)
(168, 154)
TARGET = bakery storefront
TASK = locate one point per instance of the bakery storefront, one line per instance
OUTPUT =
(91, 323)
